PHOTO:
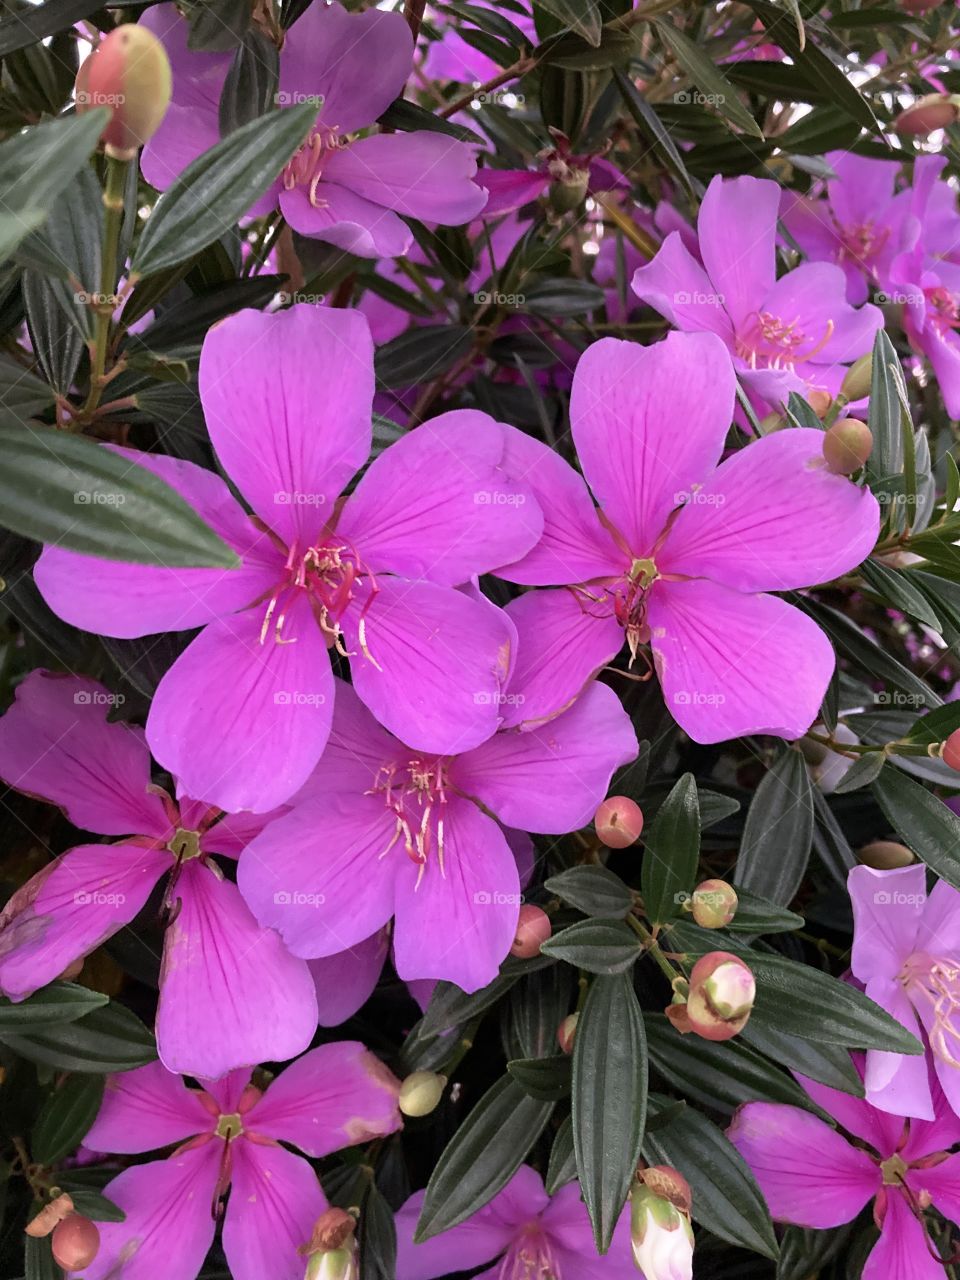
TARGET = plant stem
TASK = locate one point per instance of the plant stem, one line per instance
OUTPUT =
(105, 301)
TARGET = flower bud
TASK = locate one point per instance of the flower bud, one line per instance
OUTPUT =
(333, 1264)
(129, 72)
(713, 904)
(569, 190)
(722, 991)
(533, 929)
(618, 822)
(660, 1235)
(847, 445)
(857, 379)
(420, 1093)
(332, 1249)
(566, 1031)
(885, 855)
(950, 751)
(820, 402)
(76, 1242)
(928, 114)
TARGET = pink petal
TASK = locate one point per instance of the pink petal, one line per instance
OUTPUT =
(814, 295)
(808, 1173)
(356, 751)
(145, 1109)
(458, 923)
(772, 518)
(939, 925)
(567, 1226)
(509, 189)
(69, 908)
(289, 450)
(275, 1198)
(55, 742)
(862, 189)
(939, 1134)
(417, 175)
(895, 1082)
(228, 1091)
(941, 1182)
(857, 1116)
(551, 777)
(901, 1253)
(346, 981)
(349, 221)
(467, 518)
(336, 1096)
(231, 994)
(676, 285)
(169, 1227)
(887, 909)
(262, 709)
(737, 229)
(231, 834)
(649, 425)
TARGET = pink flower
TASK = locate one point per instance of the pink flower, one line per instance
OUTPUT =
(243, 715)
(339, 187)
(230, 993)
(681, 551)
(230, 1136)
(815, 1176)
(523, 1232)
(791, 334)
(452, 58)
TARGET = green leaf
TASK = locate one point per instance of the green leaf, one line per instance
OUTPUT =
(778, 832)
(581, 16)
(861, 773)
(759, 915)
(66, 490)
(90, 1203)
(922, 820)
(562, 297)
(49, 1007)
(698, 66)
(562, 1167)
(672, 852)
(829, 1064)
(408, 117)
(54, 335)
(66, 1116)
(886, 458)
(421, 354)
(593, 890)
(35, 22)
(726, 1198)
(545, 1078)
(936, 726)
(895, 588)
(250, 89)
(38, 1260)
(598, 946)
(482, 1156)
(218, 188)
(609, 1099)
(377, 1236)
(109, 1039)
(658, 133)
(573, 53)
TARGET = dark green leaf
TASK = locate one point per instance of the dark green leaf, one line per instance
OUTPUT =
(895, 588)
(599, 946)
(573, 53)
(861, 773)
(109, 1039)
(672, 852)
(581, 16)
(697, 64)
(66, 1116)
(562, 1167)
(36, 22)
(561, 298)
(651, 124)
(421, 354)
(830, 1064)
(38, 1260)
(593, 890)
(408, 117)
(778, 832)
(923, 820)
(758, 915)
(250, 89)
(90, 1203)
(22, 393)
(377, 1237)
(59, 1002)
(936, 726)
(545, 1078)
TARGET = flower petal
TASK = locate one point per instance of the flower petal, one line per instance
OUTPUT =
(814, 296)
(568, 1229)
(896, 1082)
(887, 910)
(417, 175)
(737, 230)
(349, 221)
(345, 981)
(145, 1109)
(901, 1253)
(676, 285)
(941, 1182)
(857, 1116)
(275, 1198)
(480, 1239)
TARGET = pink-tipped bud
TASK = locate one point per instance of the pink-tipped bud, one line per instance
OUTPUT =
(566, 1032)
(332, 1249)
(618, 822)
(928, 114)
(722, 991)
(76, 1242)
(713, 904)
(420, 1093)
(129, 72)
(49, 1216)
(533, 929)
(847, 445)
(950, 751)
(660, 1234)
(820, 402)
(663, 1180)
(885, 855)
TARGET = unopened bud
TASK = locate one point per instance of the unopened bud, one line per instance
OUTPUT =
(49, 1216)
(928, 114)
(618, 822)
(885, 855)
(722, 991)
(663, 1180)
(569, 190)
(857, 379)
(76, 1242)
(420, 1093)
(950, 751)
(820, 402)
(333, 1264)
(533, 929)
(713, 904)
(332, 1249)
(566, 1031)
(129, 72)
(847, 445)
(660, 1235)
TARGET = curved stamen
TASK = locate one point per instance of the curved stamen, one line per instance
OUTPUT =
(417, 784)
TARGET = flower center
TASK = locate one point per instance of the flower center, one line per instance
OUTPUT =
(229, 1126)
(306, 167)
(773, 343)
(943, 305)
(862, 241)
(935, 981)
(184, 845)
(893, 1171)
(415, 792)
(626, 599)
(530, 1257)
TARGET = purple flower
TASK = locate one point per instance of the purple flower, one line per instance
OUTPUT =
(243, 715)
(815, 1176)
(336, 1096)
(523, 1232)
(681, 549)
(339, 187)
(791, 334)
(906, 952)
(452, 58)
(230, 993)
(383, 831)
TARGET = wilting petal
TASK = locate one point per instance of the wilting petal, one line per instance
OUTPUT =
(145, 1109)
(773, 518)
(732, 664)
(814, 295)
(262, 710)
(438, 505)
(808, 1173)
(575, 546)
(275, 1198)
(676, 285)
(459, 921)
(169, 1227)
(69, 908)
(349, 221)
(231, 994)
(288, 443)
(901, 1253)
(887, 910)
(336, 1096)
(737, 230)
(56, 743)
(319, 875)
(649, 425)
(418, 175)
(346, 981)
(430, 664)
(551, 777)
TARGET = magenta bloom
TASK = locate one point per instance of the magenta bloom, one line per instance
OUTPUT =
(816, 1176)
(383, 831)
(452, 58)
(230, 993)
(339, 187)
(906, 952)
(230, 1136)
(791, 334)
(523, 1232)
(243, 715)
(681, 549)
